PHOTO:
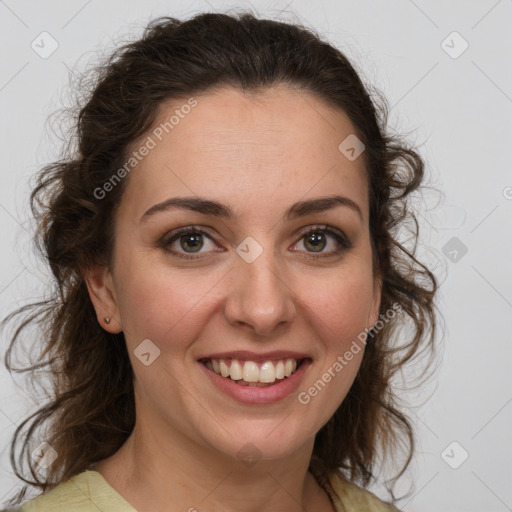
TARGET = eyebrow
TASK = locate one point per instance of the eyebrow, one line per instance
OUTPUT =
(210, 207)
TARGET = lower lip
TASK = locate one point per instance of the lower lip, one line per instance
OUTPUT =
(258, 395)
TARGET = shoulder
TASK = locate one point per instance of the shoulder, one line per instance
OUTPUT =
(357, 499)
(85, 492)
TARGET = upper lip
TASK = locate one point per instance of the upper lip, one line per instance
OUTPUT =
(257, 357)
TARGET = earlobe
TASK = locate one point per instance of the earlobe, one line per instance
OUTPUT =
(101, 290)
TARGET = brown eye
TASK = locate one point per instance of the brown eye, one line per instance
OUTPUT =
(192, 240)
(316, 241)
(318, 238)
(186, 242)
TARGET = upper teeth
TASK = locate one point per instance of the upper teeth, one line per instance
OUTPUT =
(250, 371)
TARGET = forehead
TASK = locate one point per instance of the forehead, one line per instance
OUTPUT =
(277, 144)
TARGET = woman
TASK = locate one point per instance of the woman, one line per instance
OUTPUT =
(223, 332)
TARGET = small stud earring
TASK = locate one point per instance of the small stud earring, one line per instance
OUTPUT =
(107, 320)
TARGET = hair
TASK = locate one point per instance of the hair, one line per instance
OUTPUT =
(91, 412)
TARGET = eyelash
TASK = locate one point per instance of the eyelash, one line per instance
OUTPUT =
(340, 238)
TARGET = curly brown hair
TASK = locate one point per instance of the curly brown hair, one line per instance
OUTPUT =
(92, 410)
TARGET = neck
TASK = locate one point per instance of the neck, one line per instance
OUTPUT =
(152, 470)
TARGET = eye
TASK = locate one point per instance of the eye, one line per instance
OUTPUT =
(189, 239)
(316, 239)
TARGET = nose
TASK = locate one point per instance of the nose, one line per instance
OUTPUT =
(260, 298)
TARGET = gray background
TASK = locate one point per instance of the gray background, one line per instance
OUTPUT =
(456, 106)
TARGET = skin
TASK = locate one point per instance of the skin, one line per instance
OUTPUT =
(258, 155)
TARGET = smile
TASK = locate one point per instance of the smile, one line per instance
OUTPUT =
(252, 373)
(255, 379)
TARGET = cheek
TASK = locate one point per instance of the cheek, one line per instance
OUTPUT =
(340, 306)
(339, 310)
(161, 306)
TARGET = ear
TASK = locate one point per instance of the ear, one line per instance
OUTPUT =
(100, 285)
(375, 306)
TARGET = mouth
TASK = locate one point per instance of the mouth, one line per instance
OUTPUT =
(254, 373)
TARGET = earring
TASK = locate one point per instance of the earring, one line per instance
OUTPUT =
(107, 320)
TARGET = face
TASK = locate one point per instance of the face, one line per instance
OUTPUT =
(271, 281)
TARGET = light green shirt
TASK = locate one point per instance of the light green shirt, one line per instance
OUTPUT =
(90, 492)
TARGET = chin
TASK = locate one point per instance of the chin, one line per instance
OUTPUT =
(261, 439)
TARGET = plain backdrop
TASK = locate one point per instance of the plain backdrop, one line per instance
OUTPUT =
(445, 68)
